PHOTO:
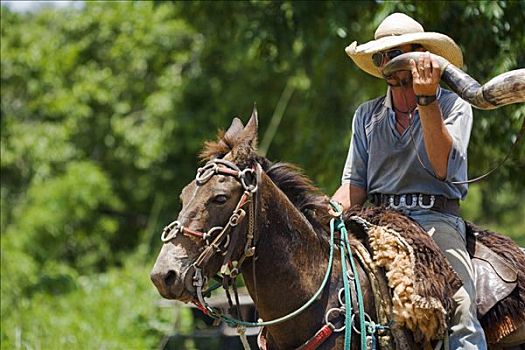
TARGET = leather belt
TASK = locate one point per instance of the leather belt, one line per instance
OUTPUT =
(416, 201)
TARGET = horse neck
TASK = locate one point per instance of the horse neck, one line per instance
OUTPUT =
(290, 263)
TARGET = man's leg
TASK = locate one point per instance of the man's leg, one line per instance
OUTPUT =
(449, 232)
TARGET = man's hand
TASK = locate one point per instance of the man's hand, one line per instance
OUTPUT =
(425, 75)
(349, 195)
(335, 208)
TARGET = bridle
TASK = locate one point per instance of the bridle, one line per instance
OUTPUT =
(224, 244)
(224, 241)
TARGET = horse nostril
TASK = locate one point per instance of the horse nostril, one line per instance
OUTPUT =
(170, 277)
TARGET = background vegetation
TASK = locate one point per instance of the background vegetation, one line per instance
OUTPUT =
(104, 109)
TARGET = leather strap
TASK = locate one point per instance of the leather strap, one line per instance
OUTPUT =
(313, 343)
(422, 100)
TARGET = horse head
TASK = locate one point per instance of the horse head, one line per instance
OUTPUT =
(211, 229)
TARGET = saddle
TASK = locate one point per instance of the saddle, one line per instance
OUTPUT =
(499, 267)
(495, 277)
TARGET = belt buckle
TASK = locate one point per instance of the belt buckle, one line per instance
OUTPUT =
(413, 204)
(403, 202)
(391, 203)
(426, 206)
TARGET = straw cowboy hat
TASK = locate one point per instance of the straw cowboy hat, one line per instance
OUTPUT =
(399, 29)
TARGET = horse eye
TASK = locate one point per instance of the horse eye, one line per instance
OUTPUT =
(220, 199)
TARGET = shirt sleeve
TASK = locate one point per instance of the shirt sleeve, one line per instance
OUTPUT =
(458, 121)
(355, 170)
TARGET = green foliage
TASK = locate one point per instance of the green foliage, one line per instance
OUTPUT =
(105, 108)
(113, 310)
(55, 221)
(94, 86)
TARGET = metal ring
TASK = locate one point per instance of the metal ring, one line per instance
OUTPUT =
(251, 187)
(206, 172)
(367, 318)
(174, 227)
(234, 272)
(340, 296)
(350, 275)
(236, 217)
(207, 235)
(220, 249)
(330, 324)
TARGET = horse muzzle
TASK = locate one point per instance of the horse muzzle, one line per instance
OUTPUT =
(174, 283)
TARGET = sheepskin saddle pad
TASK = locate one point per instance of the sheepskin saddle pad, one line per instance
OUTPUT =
(421, 280)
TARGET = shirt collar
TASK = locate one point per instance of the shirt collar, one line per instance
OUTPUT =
(388, 99)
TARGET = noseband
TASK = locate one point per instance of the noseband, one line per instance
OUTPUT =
(222, 243)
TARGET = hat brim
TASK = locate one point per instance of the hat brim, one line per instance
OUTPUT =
(436, 43)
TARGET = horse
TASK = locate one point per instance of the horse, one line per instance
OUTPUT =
(245, 215)
(290, 241)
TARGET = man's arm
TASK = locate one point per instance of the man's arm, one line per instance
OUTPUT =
(349, 195)
(352, 190)
(438, 142)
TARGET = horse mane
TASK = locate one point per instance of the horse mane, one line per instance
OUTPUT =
(218, 148)
(303, 194)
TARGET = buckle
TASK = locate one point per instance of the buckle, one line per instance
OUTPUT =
(415, 200)
(426, 206)
(391, 202)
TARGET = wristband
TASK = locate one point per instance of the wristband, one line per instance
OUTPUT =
(425, 100)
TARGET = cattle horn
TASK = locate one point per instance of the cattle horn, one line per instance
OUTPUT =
(502, 90)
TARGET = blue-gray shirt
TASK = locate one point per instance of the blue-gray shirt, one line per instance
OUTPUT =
(380, 160)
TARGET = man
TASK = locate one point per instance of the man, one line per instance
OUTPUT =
(409, 151)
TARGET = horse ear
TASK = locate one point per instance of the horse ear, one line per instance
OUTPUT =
(234, 129)
(250, 130)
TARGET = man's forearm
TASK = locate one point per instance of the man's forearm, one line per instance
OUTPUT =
(349, 195)
(438, 142)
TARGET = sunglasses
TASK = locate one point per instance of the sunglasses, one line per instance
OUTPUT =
(379, 57)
